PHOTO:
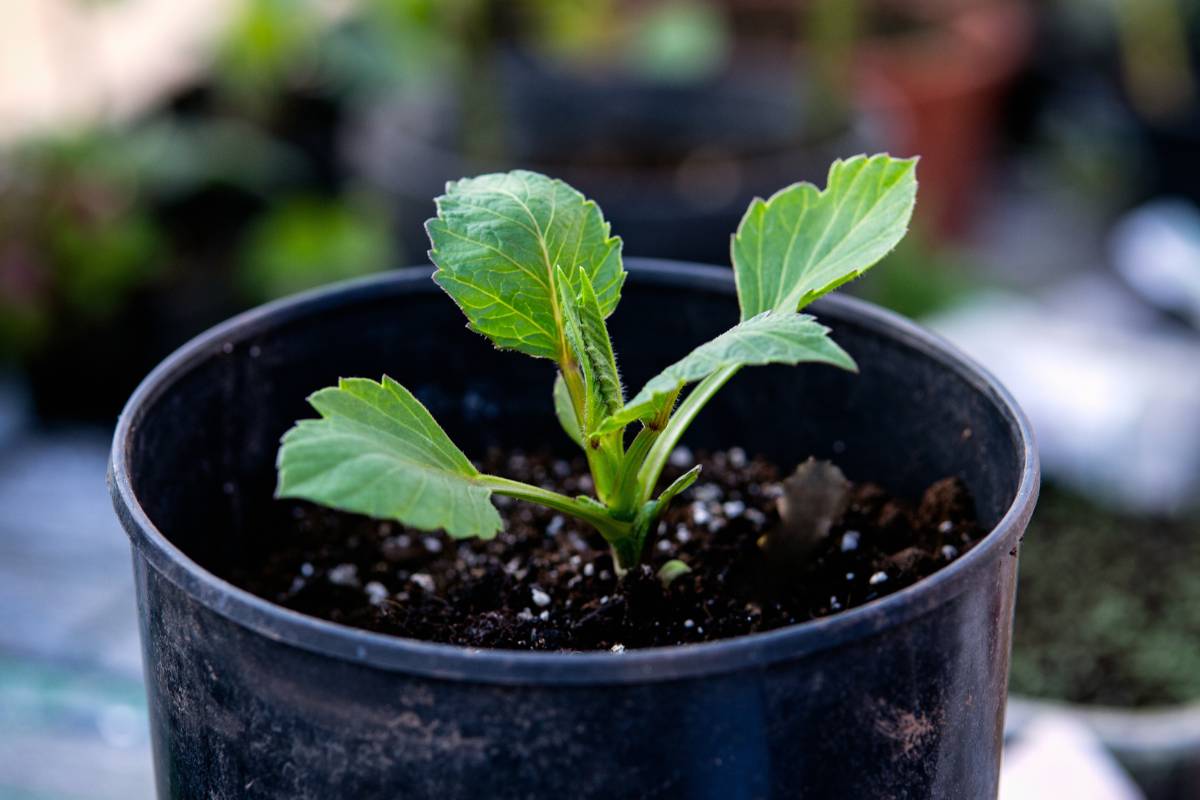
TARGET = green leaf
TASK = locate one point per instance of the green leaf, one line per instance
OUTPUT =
(497, 241)
(803, 242)
(590, 347)
(650, 512)
(599, 350)
(669, 572)
(308, 241)
(677, 487)
(772, 337)
(377, 451)
(577, 350)
(564, 409)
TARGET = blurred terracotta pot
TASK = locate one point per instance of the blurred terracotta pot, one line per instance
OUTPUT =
(935, 90)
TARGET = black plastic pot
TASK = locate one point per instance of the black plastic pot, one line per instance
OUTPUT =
(902, 698)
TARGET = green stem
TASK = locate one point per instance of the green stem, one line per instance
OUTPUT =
(650, 472)
(604, 462)
(664, 415)
(626, 553)
(573, 378)
(627, 495)
(599, 455)
(590, 512)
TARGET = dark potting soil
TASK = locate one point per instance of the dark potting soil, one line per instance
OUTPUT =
(547, 582)
(1109, 610)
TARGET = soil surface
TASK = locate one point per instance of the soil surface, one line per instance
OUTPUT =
(1109, 606)
(547, 582)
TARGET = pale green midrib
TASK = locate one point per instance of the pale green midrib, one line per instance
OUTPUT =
(487, 246)
(288, 470)
(575, 232)
(363, 490)
(541, 233)
(766, 324)
(416, 420)
(452, 482)
(451, 516)
(383, 442)
(571, 233)
(327, 429)
(460, 201)
(541, 331)
(548, 337)
(709, 363)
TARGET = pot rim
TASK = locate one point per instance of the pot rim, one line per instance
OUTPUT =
(392, 653)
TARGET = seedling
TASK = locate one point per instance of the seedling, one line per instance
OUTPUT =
(531, 263)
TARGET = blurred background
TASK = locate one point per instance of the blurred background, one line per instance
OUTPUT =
(167, 163)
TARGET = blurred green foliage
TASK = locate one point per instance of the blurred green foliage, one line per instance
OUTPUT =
(237, 182)
(1110, 606)
(303, 242)
(237, 165)
(81, 227)
(370, 46)
(244, 164)
(73, 239)
(678, 41)
(267, 42)
(672, 41)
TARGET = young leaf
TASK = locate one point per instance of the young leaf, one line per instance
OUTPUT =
(377, 451)
(627, 553)
(577, 350)
(599, 348)
(564, 409)
(587, 339)
(497, 240)
(678, 487)
(803, 242)
(772, 337)
(671, 571)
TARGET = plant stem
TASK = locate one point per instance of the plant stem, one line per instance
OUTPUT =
(599, 458)
(611, 529)
(574, 381)
(626, 553)
(626, 495)
(652, 469)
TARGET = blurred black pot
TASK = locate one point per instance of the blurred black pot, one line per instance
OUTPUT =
(1173, 155)
(673, 165)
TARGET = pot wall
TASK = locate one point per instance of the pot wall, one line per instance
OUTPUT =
(900, 698)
